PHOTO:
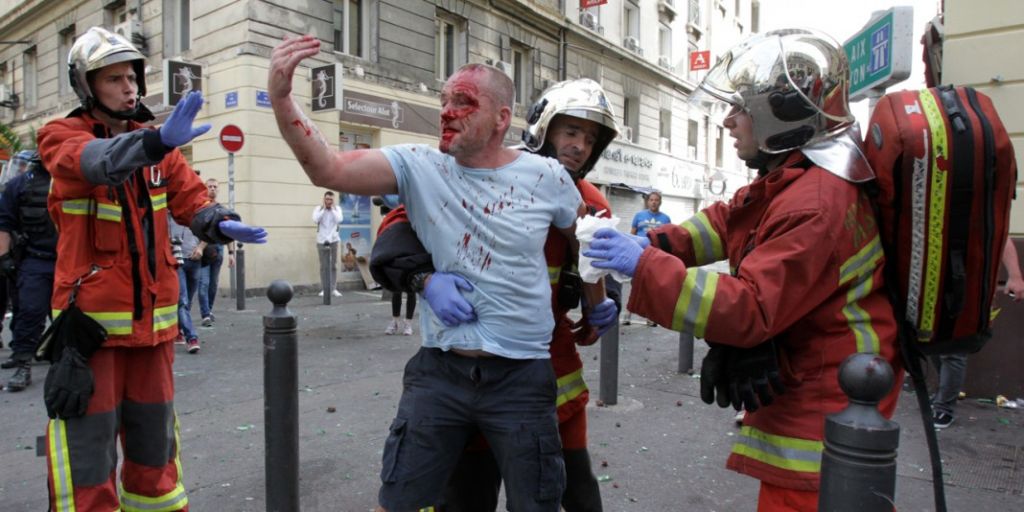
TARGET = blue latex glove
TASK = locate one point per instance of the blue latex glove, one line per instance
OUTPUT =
(602, 317)
(642, 240)
(178, 130)
(614, 251)
(241, 232)
(444, 294)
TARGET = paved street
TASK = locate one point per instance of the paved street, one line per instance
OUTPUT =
(659, 449)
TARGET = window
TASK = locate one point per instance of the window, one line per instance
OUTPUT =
(665, 44)
(5, 85)
(521, 72)
(665, 130)
(755, 17)
(632, 19)
(719, 136)
(694, 13)
(631, 118)
(451, 44)
(30, 78)
(177, 27)
(350, 20)
(690, 73)
(692, 136)
(65, 39)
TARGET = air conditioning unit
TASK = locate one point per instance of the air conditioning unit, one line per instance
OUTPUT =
(589, 20)
(626, 133)
(664, 144)
(5, 93)
(631, 44)
(665, 61)
(128, 28)
(506, 68)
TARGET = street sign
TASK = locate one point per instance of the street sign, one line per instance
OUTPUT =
(262, 98)
(326, 82)
(231, 138)
(586, 4)
(880, 53)
(231, 99)
(700, 60)
(181, 78)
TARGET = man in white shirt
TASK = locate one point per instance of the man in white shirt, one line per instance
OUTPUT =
(327, 216)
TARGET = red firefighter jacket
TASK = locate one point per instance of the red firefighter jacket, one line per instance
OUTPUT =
(806, 269)
(114, 238)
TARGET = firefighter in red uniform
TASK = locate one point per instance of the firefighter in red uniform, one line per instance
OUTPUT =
(805, 285)
(113, 182)
(573, 122)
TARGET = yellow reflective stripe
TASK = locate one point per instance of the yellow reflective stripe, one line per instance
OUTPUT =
(165, 317)
(936, 213)
(570, 386)
(76, 206)
(159, 201)
(427, 509)
(60, 466)
(553, 273)
(859, 319)
(707, 246)
(174, 500)
(114, 322)
(789, 453)
(107, 211)
(865, 261)
(694, 303)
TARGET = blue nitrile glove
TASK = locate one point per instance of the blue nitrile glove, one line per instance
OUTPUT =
(178, 130)
(642, 240)
(602, 317)
(444, 294)
(614, 251)
(241, 232)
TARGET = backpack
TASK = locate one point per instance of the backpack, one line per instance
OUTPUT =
(946, 174)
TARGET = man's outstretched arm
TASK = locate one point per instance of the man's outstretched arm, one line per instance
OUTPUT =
(364, 171)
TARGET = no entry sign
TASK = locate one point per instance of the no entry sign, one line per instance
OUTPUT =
(231, 138)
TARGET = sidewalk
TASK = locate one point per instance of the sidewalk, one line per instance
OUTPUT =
(659, 449)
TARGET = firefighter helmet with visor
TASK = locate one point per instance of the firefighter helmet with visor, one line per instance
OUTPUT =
(96, 49)
(582, 98)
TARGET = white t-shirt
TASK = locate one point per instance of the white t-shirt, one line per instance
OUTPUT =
(327, 224)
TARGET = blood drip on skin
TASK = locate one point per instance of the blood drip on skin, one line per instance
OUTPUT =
(464, 88)
(303, 126)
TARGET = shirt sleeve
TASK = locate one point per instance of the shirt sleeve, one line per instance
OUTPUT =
(567, 196)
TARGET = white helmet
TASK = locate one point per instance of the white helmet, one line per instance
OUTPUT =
(98, 48)
(582, 98)
(794, 84)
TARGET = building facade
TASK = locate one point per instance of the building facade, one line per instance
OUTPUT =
(395, 56)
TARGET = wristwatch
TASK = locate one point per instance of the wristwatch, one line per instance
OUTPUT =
(418, 281)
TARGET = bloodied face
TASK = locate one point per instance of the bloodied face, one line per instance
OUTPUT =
(469, 115)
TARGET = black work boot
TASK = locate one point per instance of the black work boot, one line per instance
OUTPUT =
(15, 360)
(21, 379)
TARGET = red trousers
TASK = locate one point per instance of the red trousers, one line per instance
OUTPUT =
(780, 499)
(133, 401)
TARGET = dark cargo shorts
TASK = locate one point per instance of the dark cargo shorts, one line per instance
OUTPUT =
(447, 398)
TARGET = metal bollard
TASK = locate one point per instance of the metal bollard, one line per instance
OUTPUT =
(858, 465)
(609, 387)
(240, 278)
(685, 352)
(281, 401)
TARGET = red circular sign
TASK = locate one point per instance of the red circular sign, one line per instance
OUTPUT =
(231, 138)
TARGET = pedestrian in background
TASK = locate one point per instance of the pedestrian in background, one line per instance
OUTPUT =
(209, 272)
(327, 216)
(644, 221)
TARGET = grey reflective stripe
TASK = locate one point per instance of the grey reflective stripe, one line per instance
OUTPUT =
(918, 241)
(858, 318)
(862, 261)
(699, 222)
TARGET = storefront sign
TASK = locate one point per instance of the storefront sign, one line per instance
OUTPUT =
(389, 113)
(643, 168)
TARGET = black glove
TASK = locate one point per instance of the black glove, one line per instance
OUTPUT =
(69, 386)
(8, 266)
(714, 375)
(754, 376)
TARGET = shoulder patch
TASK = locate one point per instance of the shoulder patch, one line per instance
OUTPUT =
(876, 135)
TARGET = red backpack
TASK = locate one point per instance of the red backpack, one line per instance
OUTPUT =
(946, 176)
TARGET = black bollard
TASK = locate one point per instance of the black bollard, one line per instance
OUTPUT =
(240, 278)
(281, 400)
(858, 465)
(609, 387)
(685, 352)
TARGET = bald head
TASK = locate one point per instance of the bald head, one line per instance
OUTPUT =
(495, 83)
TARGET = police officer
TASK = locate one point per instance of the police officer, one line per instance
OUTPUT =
(28, 249)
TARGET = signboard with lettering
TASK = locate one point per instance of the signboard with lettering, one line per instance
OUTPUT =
(231, 99)
(389, 113)
(262, 98)
(880, 54)
(586, 4)
(181, 78)
(327, 87)
(643, 168)
(700, 60)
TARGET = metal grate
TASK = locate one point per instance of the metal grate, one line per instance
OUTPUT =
(994, 467)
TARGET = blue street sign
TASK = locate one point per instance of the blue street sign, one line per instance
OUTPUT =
(231, 99)
(262, 99)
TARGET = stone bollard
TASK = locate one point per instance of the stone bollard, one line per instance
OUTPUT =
(858, 465)
(281, 401)
(240, 277)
